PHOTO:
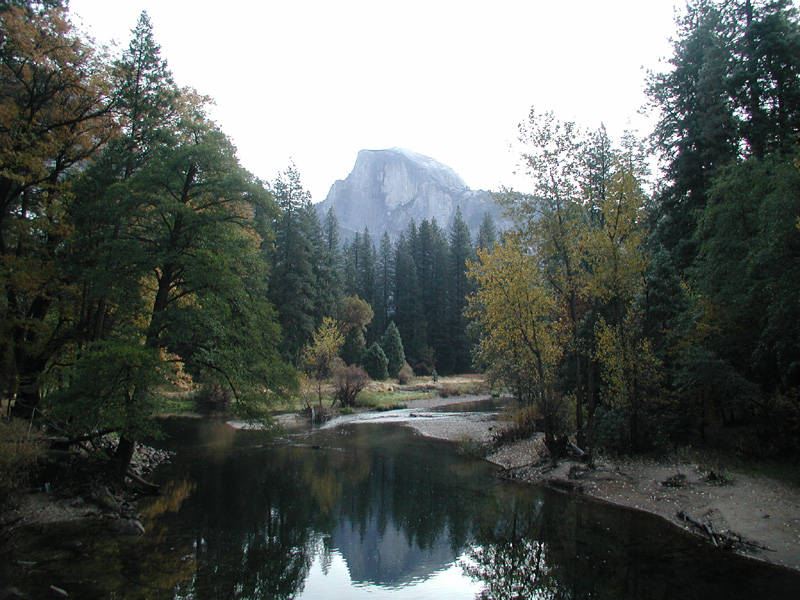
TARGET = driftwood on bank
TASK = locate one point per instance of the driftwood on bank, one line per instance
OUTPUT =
(727, 540)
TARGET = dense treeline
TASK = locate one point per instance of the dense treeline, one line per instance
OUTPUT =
(137, 255)
(418, 283)
(633, 319)
(131, 240)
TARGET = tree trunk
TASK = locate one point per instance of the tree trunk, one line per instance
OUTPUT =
(581, 437)
(28, 396)
(123, 455)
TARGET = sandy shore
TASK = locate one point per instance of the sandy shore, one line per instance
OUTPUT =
(764, 513)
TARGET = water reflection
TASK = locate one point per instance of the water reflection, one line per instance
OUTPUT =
(395, 507)
(375, 510)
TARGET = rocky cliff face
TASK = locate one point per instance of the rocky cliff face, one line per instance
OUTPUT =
(388, 188)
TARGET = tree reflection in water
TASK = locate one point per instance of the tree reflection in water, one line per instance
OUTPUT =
(379, 511)
(508, 556)
(391, 504)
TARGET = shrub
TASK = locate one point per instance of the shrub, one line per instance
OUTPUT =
(449, 390)
(524, 422)
(405, 374)
(213, 397)
(472, 448)
(350, 380)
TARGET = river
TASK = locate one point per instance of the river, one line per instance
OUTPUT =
(375, 511)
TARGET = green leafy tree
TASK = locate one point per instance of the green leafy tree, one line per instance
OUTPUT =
(170, 197)
(355, 315)
(194, 223)
(54, 116)
(106, 261)
(112, 388)
(745, 275)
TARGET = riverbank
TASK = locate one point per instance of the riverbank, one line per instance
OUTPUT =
(85, 494)
(763, 513)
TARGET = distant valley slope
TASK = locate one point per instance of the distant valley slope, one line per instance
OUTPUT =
(388, 188)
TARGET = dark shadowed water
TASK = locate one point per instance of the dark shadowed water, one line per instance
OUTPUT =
(377, 511)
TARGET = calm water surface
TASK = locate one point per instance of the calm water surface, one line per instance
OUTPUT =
(376, 511)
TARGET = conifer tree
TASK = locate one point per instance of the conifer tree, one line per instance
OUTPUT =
(408, 299)
(292, 282)
(487, 233)
(330, 276)
(457, 355)
(149, 108)
(392, 345)
(365, 279)
(384, 284)
(433, 268)
(375, 362)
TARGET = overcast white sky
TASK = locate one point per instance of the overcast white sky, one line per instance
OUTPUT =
(315, 81)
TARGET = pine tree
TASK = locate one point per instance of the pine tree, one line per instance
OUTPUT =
(149, 108)
(292, 282)
(408, 299)
(365, 273)
(392, 345)
(147, 98)
(487, 233)
(384, 284)
(457, 355)
(375, 363)
(331, 270)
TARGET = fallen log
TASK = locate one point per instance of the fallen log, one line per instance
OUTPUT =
(576, 451)
(151, 488)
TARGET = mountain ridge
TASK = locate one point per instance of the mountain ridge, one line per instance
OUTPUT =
(388, 188)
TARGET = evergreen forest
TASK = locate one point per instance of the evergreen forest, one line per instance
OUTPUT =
(628, 308)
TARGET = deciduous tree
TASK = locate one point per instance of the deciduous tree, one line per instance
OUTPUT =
(520, 330)
(319, 356)
(54, 116)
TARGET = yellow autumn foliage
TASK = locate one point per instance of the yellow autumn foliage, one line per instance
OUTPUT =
(521, 332)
